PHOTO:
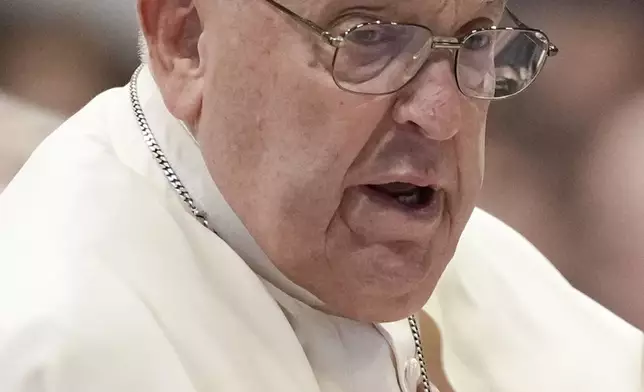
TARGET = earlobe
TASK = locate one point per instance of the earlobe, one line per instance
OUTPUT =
(185, 102)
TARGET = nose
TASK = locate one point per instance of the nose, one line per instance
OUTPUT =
(432, 102)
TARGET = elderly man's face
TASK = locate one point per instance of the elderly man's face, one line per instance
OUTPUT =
(359, 199)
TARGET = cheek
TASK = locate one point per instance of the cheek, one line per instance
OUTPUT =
(283, 126)
(286, 109)
(324, 137)
(321, 128)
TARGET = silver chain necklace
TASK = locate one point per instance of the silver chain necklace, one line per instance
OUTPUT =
(177, 185)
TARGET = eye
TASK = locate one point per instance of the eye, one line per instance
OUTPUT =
(375, 35)
(369, 36)
(478, 41)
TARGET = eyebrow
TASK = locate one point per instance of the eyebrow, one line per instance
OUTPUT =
(336, 6)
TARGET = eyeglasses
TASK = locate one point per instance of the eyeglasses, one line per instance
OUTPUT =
(379, 58)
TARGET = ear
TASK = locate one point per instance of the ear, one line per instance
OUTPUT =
(172, 29)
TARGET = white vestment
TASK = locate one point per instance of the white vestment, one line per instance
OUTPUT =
(108, 283)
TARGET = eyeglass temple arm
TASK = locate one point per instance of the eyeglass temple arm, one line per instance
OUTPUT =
(330, 39)
(516, 19)
(553, 50)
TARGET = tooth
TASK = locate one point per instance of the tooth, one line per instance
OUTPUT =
(411, 199)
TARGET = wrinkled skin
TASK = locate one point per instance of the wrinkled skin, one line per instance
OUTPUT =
(291, 152)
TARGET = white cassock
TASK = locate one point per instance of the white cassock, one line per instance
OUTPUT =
(108, 283)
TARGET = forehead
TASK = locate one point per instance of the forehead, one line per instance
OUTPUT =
(401, 5)
(419, 11)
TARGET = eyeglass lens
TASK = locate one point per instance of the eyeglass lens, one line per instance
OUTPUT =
(382, 58)
(500, 63)
(379, 59)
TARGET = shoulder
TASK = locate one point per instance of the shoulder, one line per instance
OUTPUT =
(485, 232)
(75, 181)
(492, 248)
(495, 264)
(70, 319)
(509, 319)
(67, 316)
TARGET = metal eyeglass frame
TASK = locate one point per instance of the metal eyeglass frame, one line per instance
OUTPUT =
(438, 42)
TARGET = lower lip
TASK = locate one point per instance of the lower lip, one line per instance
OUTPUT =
(377, 218)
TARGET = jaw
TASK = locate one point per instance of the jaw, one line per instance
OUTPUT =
(374, 308)
(378, 282)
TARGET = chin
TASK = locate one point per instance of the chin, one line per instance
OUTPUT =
(392, 271)
(385, 286)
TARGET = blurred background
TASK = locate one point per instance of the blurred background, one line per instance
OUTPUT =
(564, 159)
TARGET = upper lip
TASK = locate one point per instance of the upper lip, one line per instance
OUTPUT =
(418, 180)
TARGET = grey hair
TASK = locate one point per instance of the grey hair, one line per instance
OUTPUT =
(144, 53)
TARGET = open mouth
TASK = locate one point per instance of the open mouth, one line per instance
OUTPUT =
(407, 195)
